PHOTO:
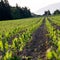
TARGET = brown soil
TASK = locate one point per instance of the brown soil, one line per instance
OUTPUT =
(15, 36)
(54, 25)
(36, 49)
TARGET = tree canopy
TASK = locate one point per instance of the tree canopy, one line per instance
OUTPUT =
(9, 12)
(56, 12)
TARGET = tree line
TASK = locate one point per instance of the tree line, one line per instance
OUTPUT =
(56, 12)
(8, 12)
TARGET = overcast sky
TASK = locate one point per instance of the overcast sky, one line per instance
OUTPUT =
(34, 5)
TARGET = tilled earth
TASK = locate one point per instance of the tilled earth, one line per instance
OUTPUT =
(36, 49)
(54, 25)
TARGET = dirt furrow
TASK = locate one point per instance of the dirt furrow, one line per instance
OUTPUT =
(36, 49)
(54, 25)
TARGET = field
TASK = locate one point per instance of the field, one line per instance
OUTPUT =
(30, 39)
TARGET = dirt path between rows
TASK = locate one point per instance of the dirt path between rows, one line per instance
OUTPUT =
(54, 25)
(36, 49)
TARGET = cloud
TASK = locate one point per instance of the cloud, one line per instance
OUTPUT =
(34, 5)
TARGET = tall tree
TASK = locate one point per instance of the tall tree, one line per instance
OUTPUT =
(5, 10)
(47, 13)
(56, 12)
(8, 12)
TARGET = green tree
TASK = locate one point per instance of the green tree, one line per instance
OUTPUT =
(56, 12)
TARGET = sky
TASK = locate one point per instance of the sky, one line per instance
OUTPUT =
(34, 5)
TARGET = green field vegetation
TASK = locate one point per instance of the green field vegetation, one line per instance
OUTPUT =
(54, 51)
(14, 35)
(56, 19)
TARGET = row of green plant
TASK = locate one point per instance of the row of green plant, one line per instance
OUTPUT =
(53, 53)
(9, 26)
(9, 46)
(55, 19)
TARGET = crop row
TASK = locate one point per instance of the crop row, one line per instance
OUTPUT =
(53, 53)
(55, 19)
(10, 46)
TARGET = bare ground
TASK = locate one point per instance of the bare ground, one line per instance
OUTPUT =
(36, 49)
(54, 25)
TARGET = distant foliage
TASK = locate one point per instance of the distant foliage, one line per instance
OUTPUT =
(8, 12)
(47, 13)
(56, 12)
